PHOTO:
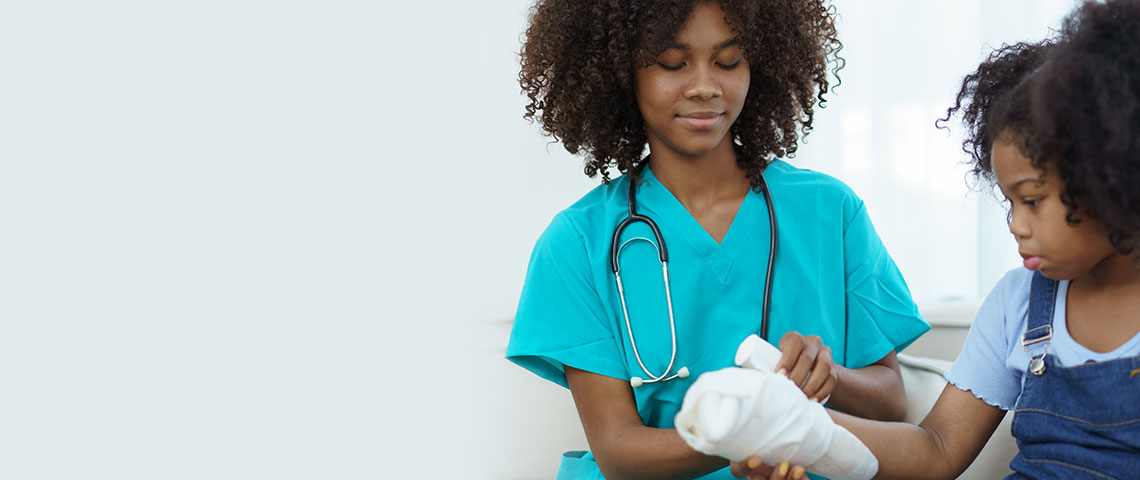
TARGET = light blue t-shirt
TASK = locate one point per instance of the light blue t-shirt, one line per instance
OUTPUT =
(993, 363)
(833, 278)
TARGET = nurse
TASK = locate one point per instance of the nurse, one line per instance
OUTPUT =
(718, 92)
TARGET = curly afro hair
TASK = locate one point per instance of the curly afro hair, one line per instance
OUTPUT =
(994, 102)
(1072, 105)
(1086, 111)
(579, 57)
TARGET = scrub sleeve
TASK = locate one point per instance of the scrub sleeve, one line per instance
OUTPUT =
(564, 320)
(881, 316)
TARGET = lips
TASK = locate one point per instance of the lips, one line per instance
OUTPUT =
(1031, 262)
(700, 120)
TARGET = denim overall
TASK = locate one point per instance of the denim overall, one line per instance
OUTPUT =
(1073, 422)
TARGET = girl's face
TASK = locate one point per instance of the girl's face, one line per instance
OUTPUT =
(694, 90)
(1047, 242)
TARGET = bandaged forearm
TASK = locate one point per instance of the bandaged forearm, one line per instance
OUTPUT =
(737, 413)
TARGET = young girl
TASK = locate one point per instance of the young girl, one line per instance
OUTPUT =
(717, 91)
(1057, 127)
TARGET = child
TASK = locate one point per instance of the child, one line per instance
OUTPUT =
(1057, 127)
(716, 90)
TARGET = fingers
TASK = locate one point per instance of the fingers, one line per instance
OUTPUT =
(822, 371)
(805, 363)
(783, 472)
(753, 468)
(823, 392)
(797, 472)
(791, 344)
(780, 472)
(737, 469)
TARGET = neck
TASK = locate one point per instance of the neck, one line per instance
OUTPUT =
(697, 180)
(1114, 272)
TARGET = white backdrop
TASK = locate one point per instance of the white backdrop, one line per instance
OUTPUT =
(253, 239)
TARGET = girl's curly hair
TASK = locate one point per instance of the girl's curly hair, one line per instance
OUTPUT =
(1086, 110)
(994, 102)
(1071, 104)
(579, 56)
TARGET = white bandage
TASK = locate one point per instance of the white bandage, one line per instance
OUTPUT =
(757, 354)
(738, 413)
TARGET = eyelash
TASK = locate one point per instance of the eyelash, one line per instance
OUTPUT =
(673, 68)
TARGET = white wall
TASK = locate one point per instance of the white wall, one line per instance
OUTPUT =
(263, 239)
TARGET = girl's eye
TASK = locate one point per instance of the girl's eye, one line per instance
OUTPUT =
(1032, 202)
(671, 68)
(728, 66)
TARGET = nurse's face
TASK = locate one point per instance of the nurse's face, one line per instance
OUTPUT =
(694, 90)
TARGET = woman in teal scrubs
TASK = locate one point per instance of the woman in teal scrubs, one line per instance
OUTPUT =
(717, 92)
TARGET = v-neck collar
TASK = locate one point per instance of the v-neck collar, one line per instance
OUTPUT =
(720, 257)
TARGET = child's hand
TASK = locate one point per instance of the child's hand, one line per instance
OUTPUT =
(807, 362)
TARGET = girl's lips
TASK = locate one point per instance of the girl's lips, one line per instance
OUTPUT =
(702, 122)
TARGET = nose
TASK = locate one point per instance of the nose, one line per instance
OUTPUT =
(704, 84)
(1018, 225)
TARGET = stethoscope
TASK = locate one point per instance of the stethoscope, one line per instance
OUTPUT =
(663, 254)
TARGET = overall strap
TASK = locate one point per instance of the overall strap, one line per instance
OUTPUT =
(1042, 299)
(1039, 331)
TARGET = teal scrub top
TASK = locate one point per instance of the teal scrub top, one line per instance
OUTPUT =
(833, 278)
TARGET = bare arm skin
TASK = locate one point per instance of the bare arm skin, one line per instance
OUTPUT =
(624, 447)
(942, 446)
(875, 391)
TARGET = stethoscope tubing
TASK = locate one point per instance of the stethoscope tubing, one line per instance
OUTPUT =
(663, 254)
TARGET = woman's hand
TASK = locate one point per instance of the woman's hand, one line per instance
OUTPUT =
(753, 469)
(807, 362)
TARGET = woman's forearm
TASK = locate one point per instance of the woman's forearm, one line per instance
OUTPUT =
(622, 445)
(640, 452)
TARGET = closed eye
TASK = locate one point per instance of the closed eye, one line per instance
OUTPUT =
(730, 66)
(671, 68)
